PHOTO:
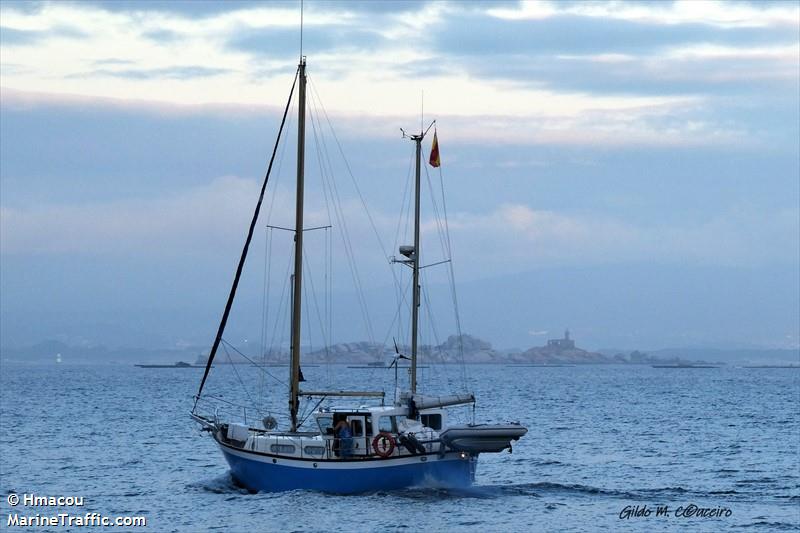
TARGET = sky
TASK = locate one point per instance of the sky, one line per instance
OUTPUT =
(630, 170)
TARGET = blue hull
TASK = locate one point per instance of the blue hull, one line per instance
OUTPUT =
(270, 474)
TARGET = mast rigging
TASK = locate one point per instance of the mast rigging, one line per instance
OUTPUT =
(232, 294)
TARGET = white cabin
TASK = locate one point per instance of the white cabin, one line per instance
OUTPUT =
(366, 425)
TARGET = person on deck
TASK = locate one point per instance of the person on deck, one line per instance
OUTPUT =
(344, 436)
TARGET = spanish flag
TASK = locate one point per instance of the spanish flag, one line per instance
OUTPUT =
(434, 160)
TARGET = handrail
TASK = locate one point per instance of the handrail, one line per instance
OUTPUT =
(236, 411)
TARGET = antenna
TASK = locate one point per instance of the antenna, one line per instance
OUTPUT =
(301, 28)
(422, 110)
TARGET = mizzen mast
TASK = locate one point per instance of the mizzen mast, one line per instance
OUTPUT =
(412, 253)
(415, 267)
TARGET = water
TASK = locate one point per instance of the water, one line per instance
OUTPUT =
(601, 438)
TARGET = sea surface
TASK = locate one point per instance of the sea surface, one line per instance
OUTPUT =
(602, 439)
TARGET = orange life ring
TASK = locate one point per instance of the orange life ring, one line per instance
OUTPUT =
(383, 444)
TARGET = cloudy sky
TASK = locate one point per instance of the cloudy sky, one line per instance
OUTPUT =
(628, 170)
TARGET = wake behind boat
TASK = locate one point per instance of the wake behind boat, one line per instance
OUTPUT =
(409, 441)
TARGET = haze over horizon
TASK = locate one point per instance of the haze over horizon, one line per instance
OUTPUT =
(629, 171)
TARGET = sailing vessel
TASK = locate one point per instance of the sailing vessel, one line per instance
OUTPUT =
(356, 448)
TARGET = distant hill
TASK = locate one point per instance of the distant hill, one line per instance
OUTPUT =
(454, 349)
(736, 357)
(47, 351)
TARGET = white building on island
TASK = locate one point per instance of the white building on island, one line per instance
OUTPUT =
(562, 344)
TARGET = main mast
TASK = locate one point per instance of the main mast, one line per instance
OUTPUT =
(297, 277)
(415, 267)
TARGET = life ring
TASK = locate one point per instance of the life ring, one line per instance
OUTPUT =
(383, 444)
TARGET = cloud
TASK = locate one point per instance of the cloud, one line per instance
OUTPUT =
(161, 35)
(180, 222)
(692, 71)
(610, 49)
(10, 36)
(209, 9)
(507, 238)
(200, 220)
(175, 73)
(682, 121)
(711, 12)
(569, 34)
(592, 73)
(283, 42)
(674, 124)
(68, 103)
(526, 238)
(112, 62)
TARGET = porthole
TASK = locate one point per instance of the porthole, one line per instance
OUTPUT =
(281, 448)
(314, 450)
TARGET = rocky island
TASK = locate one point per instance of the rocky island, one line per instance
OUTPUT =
(467, 349)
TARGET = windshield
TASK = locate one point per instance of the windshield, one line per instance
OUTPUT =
(325, 424)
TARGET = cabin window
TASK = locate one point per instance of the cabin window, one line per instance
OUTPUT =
(432, 421)
(314, 450)
(356, 427)
(282, 448)
(386, 423)
(325, 425)
(389, 423)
